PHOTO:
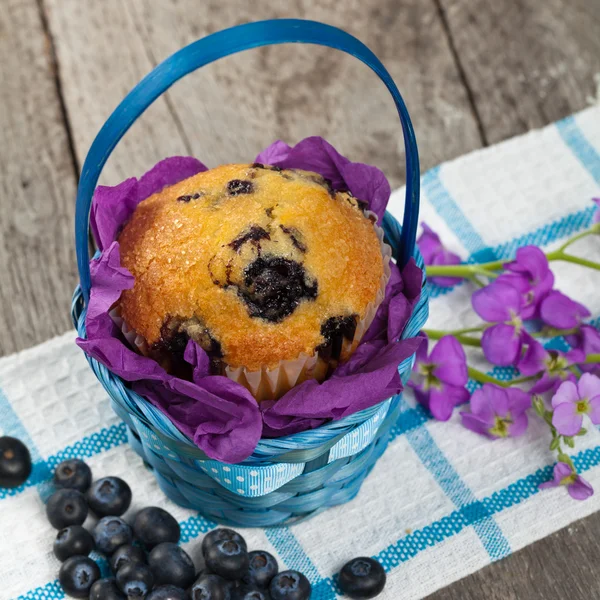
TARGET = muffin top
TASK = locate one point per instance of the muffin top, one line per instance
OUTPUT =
(255, 263)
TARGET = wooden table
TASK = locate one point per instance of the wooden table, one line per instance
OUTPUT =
(473, 72)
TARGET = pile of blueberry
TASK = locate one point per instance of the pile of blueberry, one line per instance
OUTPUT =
(145, 557)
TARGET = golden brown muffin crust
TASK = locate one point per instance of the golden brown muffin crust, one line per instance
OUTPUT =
(207, 253)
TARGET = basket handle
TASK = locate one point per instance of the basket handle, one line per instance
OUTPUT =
(207, 50)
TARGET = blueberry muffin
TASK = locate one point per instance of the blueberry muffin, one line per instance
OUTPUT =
(257, 264)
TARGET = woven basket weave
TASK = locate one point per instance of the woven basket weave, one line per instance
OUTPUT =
(300, 474)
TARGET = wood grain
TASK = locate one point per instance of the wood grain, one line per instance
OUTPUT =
(526, 62)
(470, 71)
(37, 186)
(562, 565)
(101, 57)
(232, 109)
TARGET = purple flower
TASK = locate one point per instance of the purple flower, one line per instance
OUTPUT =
(587, 339)
(554, 365)
(502, 304)
(497, 412)
(440, 377)
(596, 201)
(530, 273)
(572, 401)
(577, 486)
(434, 253)
(559, 311)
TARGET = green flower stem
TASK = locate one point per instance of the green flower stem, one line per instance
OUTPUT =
(464, 271)
(468, 330)
(482, 377)
(552, 333)
(574, 259)
(487, 269)
(524, 379)
(592, 358)
(576, 238)
(438, 334)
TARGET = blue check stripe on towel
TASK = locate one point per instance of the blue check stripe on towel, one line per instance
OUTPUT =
(469, 510)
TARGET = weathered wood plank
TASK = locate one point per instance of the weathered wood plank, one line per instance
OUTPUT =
(234, 108)
(527, 62)
(101, 57)
(563, 565)
(37, 186)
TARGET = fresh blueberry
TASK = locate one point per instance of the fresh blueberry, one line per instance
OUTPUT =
(171, 564)
(362, 578)
(228, 559)
(127, 555)
(252, 592)
(135, 581)
(77, 575)
(66, 507)
(263, 567)
(110, 533)
(109, 496)
(216, 535)
(153, 526)
(15, 462)
(73, 541)
(74, 474)
(106, 589)
(167, 592)
(290, 585)
(210, 587)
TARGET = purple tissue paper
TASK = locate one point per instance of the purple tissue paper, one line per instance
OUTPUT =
(220, 416)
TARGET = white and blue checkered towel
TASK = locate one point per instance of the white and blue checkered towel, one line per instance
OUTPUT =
(442, 502)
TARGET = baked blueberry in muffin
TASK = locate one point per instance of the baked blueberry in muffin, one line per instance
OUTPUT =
(257, 264)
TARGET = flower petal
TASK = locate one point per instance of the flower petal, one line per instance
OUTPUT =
(588, 386)
(548, 484)
(562, 470)
(441, 258)
(474, 423)
(590, 339)
(495, 302)
(481, 406)
(533, 361)
(449, 356)
(531, 260)
(458, 394)
(574, 356)
(594, 413)
(566, 419)
(516, 280)
(580, 489)
(567, 392)
(498, 398)
(441, 404)
(518, 426)
(558, 310)
(421, 395)
(518, 401)
(429, 243)
(544, 384)
(501, 345)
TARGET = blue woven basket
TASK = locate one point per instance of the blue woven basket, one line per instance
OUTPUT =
(290, 478)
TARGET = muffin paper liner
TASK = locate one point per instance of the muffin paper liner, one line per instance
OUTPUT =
(218, 414)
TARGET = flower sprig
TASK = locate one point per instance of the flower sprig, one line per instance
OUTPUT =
(519, 307)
